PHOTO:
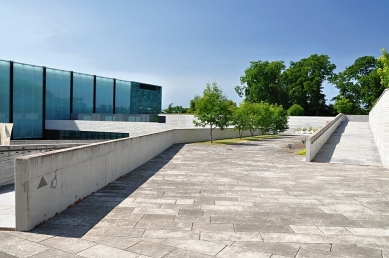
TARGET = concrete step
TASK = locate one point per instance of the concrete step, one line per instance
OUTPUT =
(351, 143)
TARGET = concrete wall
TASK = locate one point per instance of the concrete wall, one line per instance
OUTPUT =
(379, 124)
(317, 140)
(357, 118)
(48, 183)
(10, 152)
(133, 128)
(308, 121)
(179, 120)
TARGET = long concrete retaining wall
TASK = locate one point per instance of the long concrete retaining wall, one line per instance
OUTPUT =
(317, 140)
(10, 152)
(379, 124)
(48, 183)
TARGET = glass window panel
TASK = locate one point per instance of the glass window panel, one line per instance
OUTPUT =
(27, 101)
(57, 94)
(4, 91)
(82, 93)
(104, 95)
(123, 97)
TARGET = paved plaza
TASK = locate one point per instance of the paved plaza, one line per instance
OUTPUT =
(253, 199)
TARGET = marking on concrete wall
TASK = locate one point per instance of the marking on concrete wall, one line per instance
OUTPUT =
(54, 181)
(42, 183)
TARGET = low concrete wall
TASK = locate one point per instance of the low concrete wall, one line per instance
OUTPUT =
(10, 152)
(317, 140)
(379, 124)
(308, 121)
(357, 118)
(48, 183)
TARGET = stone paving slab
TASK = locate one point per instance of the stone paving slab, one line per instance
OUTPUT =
(255, 199)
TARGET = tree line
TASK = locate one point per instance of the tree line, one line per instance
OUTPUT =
(301, 84)
(299, 88)
(269, 88)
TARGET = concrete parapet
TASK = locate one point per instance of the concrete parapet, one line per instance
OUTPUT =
(10, 152)
(357, 118)
(48, 183)
(317, 140)
(308, 121)
(379, 124)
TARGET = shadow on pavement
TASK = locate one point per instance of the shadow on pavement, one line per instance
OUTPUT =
(80, 218)
(327, 151)
(7, 188)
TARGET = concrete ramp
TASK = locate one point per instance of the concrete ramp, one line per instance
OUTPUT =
(351, 143)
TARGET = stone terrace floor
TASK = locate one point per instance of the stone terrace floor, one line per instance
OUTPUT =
(254, 199)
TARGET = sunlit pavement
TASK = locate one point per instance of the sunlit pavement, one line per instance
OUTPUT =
(253, 199)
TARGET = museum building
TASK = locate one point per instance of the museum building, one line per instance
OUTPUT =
(30, 95)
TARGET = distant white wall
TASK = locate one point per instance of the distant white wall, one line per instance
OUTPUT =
(133, 128)
(179, 120)
(357, 118)
(379, 124)
(308, 121)
(48, 183)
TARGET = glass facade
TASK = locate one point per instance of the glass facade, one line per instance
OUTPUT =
(27, 101)
(57, 94)
(123, 96)
(87, 135)
(30, 94)
(145, 98)
(104, 95)
(83, 93)
(4, 91)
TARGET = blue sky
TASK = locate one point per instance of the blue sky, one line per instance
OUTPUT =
(182, 45)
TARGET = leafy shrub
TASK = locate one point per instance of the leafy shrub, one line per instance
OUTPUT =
(302, 152)
(296, 110)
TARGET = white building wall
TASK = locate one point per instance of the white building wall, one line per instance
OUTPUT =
(379, 123)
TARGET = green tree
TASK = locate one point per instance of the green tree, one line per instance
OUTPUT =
(245, 118)
(343, 105)
(264, 118)
(359, 84)
(304, 80)
(262, 82)
(279, 119)
(192, 104)
(296, 110)
(213, 109)
(240, 119)
(383, 71)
